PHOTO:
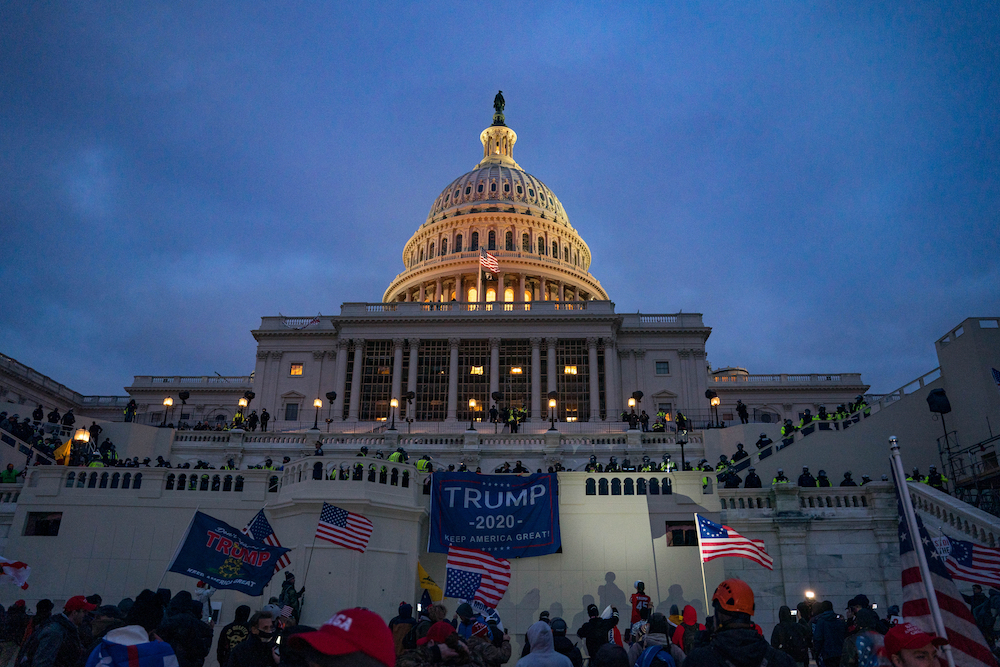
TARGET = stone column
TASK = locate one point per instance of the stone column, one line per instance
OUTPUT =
(494, 366)
(356, 379)
(524, 288)
(407, 294)
(627, 378)
(397, 369)
(329, 380)
(640, 376)
(411, 378)
(423, 293)
(550, 363)
(542, 295)
(612, 380)
(340, 384)
(562, 291)
(458, 288)
(536, 379)
(437, 290)
(453, 380)
(595, 389)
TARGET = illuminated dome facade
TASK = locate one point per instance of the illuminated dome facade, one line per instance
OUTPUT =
(516, 218)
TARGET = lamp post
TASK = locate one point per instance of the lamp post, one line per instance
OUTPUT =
(715, 407)
(317, 404)
(167, 404)
(632, 421)
(393, 403)
(552, 410)
(472, 408)
(712, 401)
(682, 440)
(330, 396)
(238, 417)
(80, 438)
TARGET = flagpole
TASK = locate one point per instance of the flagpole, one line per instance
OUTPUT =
(701, 560)
(918, 548)
(177, 550)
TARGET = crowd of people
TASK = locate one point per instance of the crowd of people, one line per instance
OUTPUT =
(157, 628)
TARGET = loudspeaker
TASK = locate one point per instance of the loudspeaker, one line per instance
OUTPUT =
(937, 401)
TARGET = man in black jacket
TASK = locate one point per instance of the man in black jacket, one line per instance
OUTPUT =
(736, 642)
(59, 642)
(595, 630)
(233, 634)
(563, 645)
(258, 649)
(183, 629)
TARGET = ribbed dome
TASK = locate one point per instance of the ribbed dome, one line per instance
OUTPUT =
(500, 186)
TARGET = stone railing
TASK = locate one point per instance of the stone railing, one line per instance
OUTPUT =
(167, 479)
(955, 514)
(879, 402)
(188, 380)
(366, 470)
(9, 493)
(423, 309)
(816, 502)
(846, 379)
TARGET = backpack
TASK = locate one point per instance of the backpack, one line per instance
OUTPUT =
(794, 642)
(656, 656)
(689, 637)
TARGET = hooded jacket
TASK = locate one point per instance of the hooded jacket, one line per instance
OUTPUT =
(401, 625)
(741, 647)
(865, 638)
(791, 637)
(183, 629)
(543, 652)
(595, 632)
(690, 621)
(655, 639)
(828, 635)
(116, 647)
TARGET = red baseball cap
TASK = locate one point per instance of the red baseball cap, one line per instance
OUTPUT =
(78, 602)
(907, 635)
(437, 633)
(350, 631)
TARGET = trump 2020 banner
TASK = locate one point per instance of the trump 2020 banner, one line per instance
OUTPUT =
(217, 553)
(512, 516)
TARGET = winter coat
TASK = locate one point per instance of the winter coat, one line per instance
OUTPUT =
(595, 632)
(791, 637)
(58, 644)
(401, 625)
(865, 640)
(655, 639)
(231, 636)
(251, 653)
(486, 653)
(828, 635)
(563, 645)
(543, 652)
(690, 621)
(183, 629)
(430, 656)
(114, 649)
(741, 647)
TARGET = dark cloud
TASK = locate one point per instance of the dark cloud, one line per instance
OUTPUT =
(821, 183)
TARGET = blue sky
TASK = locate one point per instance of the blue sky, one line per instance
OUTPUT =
(820, 180)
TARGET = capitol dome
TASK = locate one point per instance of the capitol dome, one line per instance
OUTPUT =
(511, 214)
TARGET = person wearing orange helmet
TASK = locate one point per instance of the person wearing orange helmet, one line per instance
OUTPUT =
(736, 641)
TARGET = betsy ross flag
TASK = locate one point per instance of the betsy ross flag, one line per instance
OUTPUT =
(488, 261)
(476, 575)
(260, 529)
(969, 647)
(973, 563)
(344, 528)
(718, 541)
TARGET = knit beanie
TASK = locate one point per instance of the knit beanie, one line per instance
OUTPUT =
(147, 611)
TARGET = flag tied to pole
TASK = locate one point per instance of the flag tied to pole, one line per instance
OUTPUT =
(718, 541)
(488, 261)
(476, 575)
(15, 571)
(969, 647)
(344, 528)
(260, 529)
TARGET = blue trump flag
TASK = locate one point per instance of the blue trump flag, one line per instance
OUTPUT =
(510, 516)
(217, 553)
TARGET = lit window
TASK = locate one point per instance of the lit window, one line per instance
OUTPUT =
(491, 294)
(296, 369)
(383, 370)
(508, 294)
(663, 368)
(569, 370)
(472, 295)
(516, 370)
(571, 419)
(476, 370)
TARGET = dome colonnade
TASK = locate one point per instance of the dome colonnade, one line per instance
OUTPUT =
(503, 209)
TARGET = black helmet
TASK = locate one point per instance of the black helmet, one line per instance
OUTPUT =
(763, 435)
(614, 460)
(781, 471)
(722, 457)
(822, 473)
(805, 468)
(932, 468)
(645, 459)
(847, 474)
(593, 458)
(751, 469)
(364, 449)
(666, 457)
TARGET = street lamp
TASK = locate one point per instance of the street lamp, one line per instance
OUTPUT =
(393, 403)
(715, 406)
(167, 403)
(682, 439)
(552, 410)
(810, 595)
(317, 404)
(330, 396)
(712, 400)
(80, 438)
(238, 417)
(472, 409)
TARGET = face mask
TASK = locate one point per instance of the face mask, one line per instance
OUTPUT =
(266, 636)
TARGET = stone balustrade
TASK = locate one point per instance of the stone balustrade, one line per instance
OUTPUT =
(9, 493)
(952, 513)
(828, 502)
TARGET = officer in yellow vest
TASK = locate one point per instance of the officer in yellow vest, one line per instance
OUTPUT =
(424, 464)
(780, 478)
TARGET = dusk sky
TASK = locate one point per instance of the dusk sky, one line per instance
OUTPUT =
(821, 181)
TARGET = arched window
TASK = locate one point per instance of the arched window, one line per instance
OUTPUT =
(506, 187)
(474, 242)
(317, 471)
(406, 479)
(137, 482)
(654, 487)
(541, 246)
(616, 487)
(70, 478)
(591, 487)
(193, 483)
(104, 480)
(227, 483)
(413, 257)
(430, 253)
(525, 243)
(182, 482)
(667, 486)
(473, 295)
(458, 243)
(492, 240)
(421, 254)
(640, 487)
(272, 484)
(216, 483)
(359, 472)
(115, 479)
(239, 484)
(565, 252)
(444, 246)
(508, 241)
(394, 477)
(491, 294)
(602, 487)
(479, 188)
(555, 250)
(170, 482)
(508, 294)
(493, 187)
(371, 473)
(126, 479)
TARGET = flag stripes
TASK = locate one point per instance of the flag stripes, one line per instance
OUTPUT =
(260, 529)
(343, 528)
(477, 575)
(488, 261)
(718, 541)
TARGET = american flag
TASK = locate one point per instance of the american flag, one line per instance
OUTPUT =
(286, 612)
(971, 562)
(963, 635)
(488, 261)
(717, 541)
(344, 528)
(476, 575)
(260, 530)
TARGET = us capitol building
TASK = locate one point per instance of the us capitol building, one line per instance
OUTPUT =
(420, 369)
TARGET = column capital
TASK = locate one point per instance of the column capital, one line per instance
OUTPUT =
(453, 343)
(551, 342)
(342, 343)
(592, 342)
(494, 342)
(397, 343)
(639, 354)
(535, 341)
(684, 354)
(276, 355)
(413, 342)
(318, 354)
(623, 354)
(332, 354)
(263, 354)
(358, 342)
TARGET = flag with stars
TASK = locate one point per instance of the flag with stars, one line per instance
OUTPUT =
(718, 541)
(996, 377)
(476, 575)
(344, 528)
(973, 563)
(969, 647)
(260, 529)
